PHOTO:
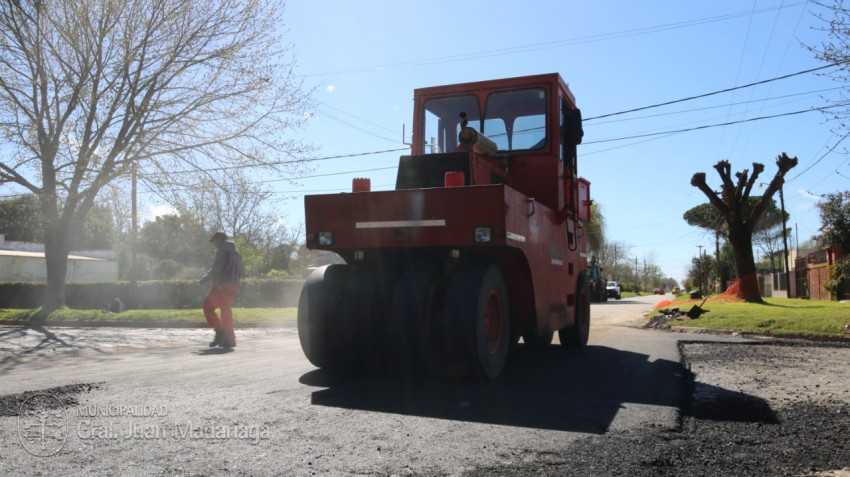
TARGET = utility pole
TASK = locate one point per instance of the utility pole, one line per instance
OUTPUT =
(699, 270)
(785, 241)
(717, 259)
(636, 276)
(134, 233)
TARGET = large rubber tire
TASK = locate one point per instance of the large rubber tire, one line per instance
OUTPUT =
(410, 316)
(364, 306)
(478, 319)
(318, 315)
(576, 336)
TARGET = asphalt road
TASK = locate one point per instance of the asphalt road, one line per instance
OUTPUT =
(165, 404)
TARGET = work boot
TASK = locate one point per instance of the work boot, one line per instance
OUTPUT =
(219, 338)
(227, 342)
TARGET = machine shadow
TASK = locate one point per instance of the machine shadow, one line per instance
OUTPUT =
(551, 388)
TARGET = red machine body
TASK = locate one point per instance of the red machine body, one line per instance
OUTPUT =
(488, 204)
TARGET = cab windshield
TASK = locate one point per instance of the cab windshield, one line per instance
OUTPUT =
(514, 120)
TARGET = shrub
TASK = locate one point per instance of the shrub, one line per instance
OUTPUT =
(158, 294)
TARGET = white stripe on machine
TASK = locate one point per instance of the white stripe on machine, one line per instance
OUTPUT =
(516, 237)
(389, 224)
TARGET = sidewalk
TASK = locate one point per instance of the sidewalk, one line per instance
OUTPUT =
(21, 343)
(145, 324)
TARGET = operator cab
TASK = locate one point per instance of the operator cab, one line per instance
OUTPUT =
(514, 120)
(521, 132)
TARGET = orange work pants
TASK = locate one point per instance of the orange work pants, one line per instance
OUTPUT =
(221, 298)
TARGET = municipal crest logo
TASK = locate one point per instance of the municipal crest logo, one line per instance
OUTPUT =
(42, 425)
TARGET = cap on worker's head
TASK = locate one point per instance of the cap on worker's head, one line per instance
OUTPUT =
(219, 236)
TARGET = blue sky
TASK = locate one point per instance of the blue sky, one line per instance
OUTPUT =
(365, 58)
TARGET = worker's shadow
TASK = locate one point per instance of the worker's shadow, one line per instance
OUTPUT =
(575, 390)
(213, 351)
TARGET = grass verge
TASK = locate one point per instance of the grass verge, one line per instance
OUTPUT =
(247, 315)
(777, 316)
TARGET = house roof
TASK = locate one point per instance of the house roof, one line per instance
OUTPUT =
(18, 253)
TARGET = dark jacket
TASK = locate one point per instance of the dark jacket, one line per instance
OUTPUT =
(226, 268)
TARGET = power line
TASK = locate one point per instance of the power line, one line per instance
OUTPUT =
(269, 181)
(707, 126)
(341, 121)
(277, 163)
(550, 44)
(819, 159)
(706, 108)
(705, 95)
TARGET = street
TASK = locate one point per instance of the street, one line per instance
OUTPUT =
(175, 407)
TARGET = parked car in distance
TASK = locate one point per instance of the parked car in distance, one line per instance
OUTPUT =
(658, 291)
(613, 289)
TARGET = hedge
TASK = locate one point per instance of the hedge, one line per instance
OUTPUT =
(158, 294)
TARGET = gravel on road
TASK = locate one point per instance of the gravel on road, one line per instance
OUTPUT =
(756, 409)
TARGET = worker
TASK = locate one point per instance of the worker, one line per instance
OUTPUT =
(225, 273)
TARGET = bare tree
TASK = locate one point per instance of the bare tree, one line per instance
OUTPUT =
(90, 89)
(237, 206)
(741, 218)
(612, 258)
(835, 50)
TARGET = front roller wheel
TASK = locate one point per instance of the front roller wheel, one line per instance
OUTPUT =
(410, 316)
(477, 314)
(576, 336)
(318, 311)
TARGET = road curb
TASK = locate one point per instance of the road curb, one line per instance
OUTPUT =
(754, 335)
(141, 324)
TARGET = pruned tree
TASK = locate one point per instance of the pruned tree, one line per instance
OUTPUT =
(91, 90)
(734, 206)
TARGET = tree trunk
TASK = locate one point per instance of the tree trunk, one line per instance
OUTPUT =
(745, 265)
(56, 250)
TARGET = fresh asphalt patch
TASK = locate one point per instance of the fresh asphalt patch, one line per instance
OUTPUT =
(68, 395)
(722, 430)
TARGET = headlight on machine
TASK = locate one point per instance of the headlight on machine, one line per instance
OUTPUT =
(326, 237)
(483, 234)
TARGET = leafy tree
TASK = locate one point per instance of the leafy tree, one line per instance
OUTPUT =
(92, 90)
(99, 232)
(835, 219)
(734, 206)
(20, 219)
(595, 230)
(670, 283)
(253, 257)
(835, 229)
(175, 237)
(707, 217)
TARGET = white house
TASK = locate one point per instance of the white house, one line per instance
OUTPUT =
(24, 262)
